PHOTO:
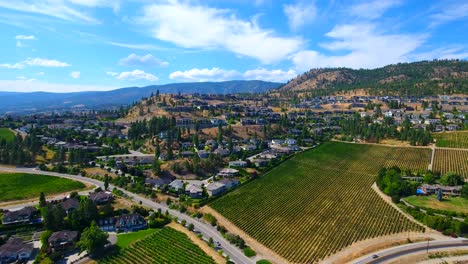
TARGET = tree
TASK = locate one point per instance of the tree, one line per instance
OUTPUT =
(93, 239)
(451, 179)
(156, 167)
(42, 200)
(439, 195)
(106, 182)
(464, 191)
(190, 227)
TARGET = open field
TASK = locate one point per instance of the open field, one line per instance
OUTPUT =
(455, 204)
(20, 186)
(321, 201)
(446, 160)
(458, 139)
(163, 246)
(7, 134)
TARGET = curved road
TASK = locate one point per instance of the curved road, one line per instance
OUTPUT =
(235, 254)
(400, 251)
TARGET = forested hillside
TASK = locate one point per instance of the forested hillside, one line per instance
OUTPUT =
(418, 78)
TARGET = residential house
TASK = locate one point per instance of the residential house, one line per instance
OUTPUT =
(176, 186)
(15, 250)
(63, 240)
(130, 223)
(107, 224)
(215, 188)
(446, 190)
(101, 197)
(69, 205)
(228, 172)
(194, 190)
(238, 163)
(229, 183)
(22, 216)
(157, 183)
(203, 154)
(290, 142)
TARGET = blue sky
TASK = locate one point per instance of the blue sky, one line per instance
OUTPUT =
(80, 45)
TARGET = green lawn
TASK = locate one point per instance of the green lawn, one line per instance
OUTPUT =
(19, 186)
(7, 134)
(124, 240)
(455, 204)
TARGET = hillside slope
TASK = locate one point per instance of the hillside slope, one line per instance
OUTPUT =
(13, 101)
(418, 78)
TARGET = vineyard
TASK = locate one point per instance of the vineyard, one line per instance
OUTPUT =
(321, 201)
(164, 246)
(457, 139)
(454, 160)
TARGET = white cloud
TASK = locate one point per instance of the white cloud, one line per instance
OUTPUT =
(53, 8)
(12, 66)
(217, 74)
(112, 73)
(135, 46)
(373, 9)
(450, 12)
(201, 75)
(137, 75)
(147, 60)
(269, 75)
(20, 44)
(45, 62)
(192, 26)
(24, 37)
(75, 74)
(453, 52)
(300, 14)
(363, 47)
(25, 86)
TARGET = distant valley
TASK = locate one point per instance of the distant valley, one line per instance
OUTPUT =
(35, 101)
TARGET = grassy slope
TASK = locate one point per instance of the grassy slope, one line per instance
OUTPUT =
(455, 204)
(19, 186)
(124, 240)
(320, 201)
(165, 245)
(7, 134)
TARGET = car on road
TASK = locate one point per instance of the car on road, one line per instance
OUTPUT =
(375, 256)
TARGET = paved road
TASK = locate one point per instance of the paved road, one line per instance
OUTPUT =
(235, 254)
(400, 251)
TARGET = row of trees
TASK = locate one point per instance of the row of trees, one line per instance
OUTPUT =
(20, 151)
(366, 129)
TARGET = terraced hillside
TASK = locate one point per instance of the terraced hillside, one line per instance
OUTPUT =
(321, 201)
(164, 246)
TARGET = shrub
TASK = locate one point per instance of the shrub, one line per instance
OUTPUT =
(249, 252)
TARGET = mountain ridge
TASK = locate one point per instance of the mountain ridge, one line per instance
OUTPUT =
(416, 78)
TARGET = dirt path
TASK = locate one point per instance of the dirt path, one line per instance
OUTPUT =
(199, 242)
(262, 251)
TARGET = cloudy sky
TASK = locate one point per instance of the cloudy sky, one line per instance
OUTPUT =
(78, 45)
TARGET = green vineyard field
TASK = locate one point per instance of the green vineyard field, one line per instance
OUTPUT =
(164, 246)
(457, 139)
(454, 160)
(321, 201)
